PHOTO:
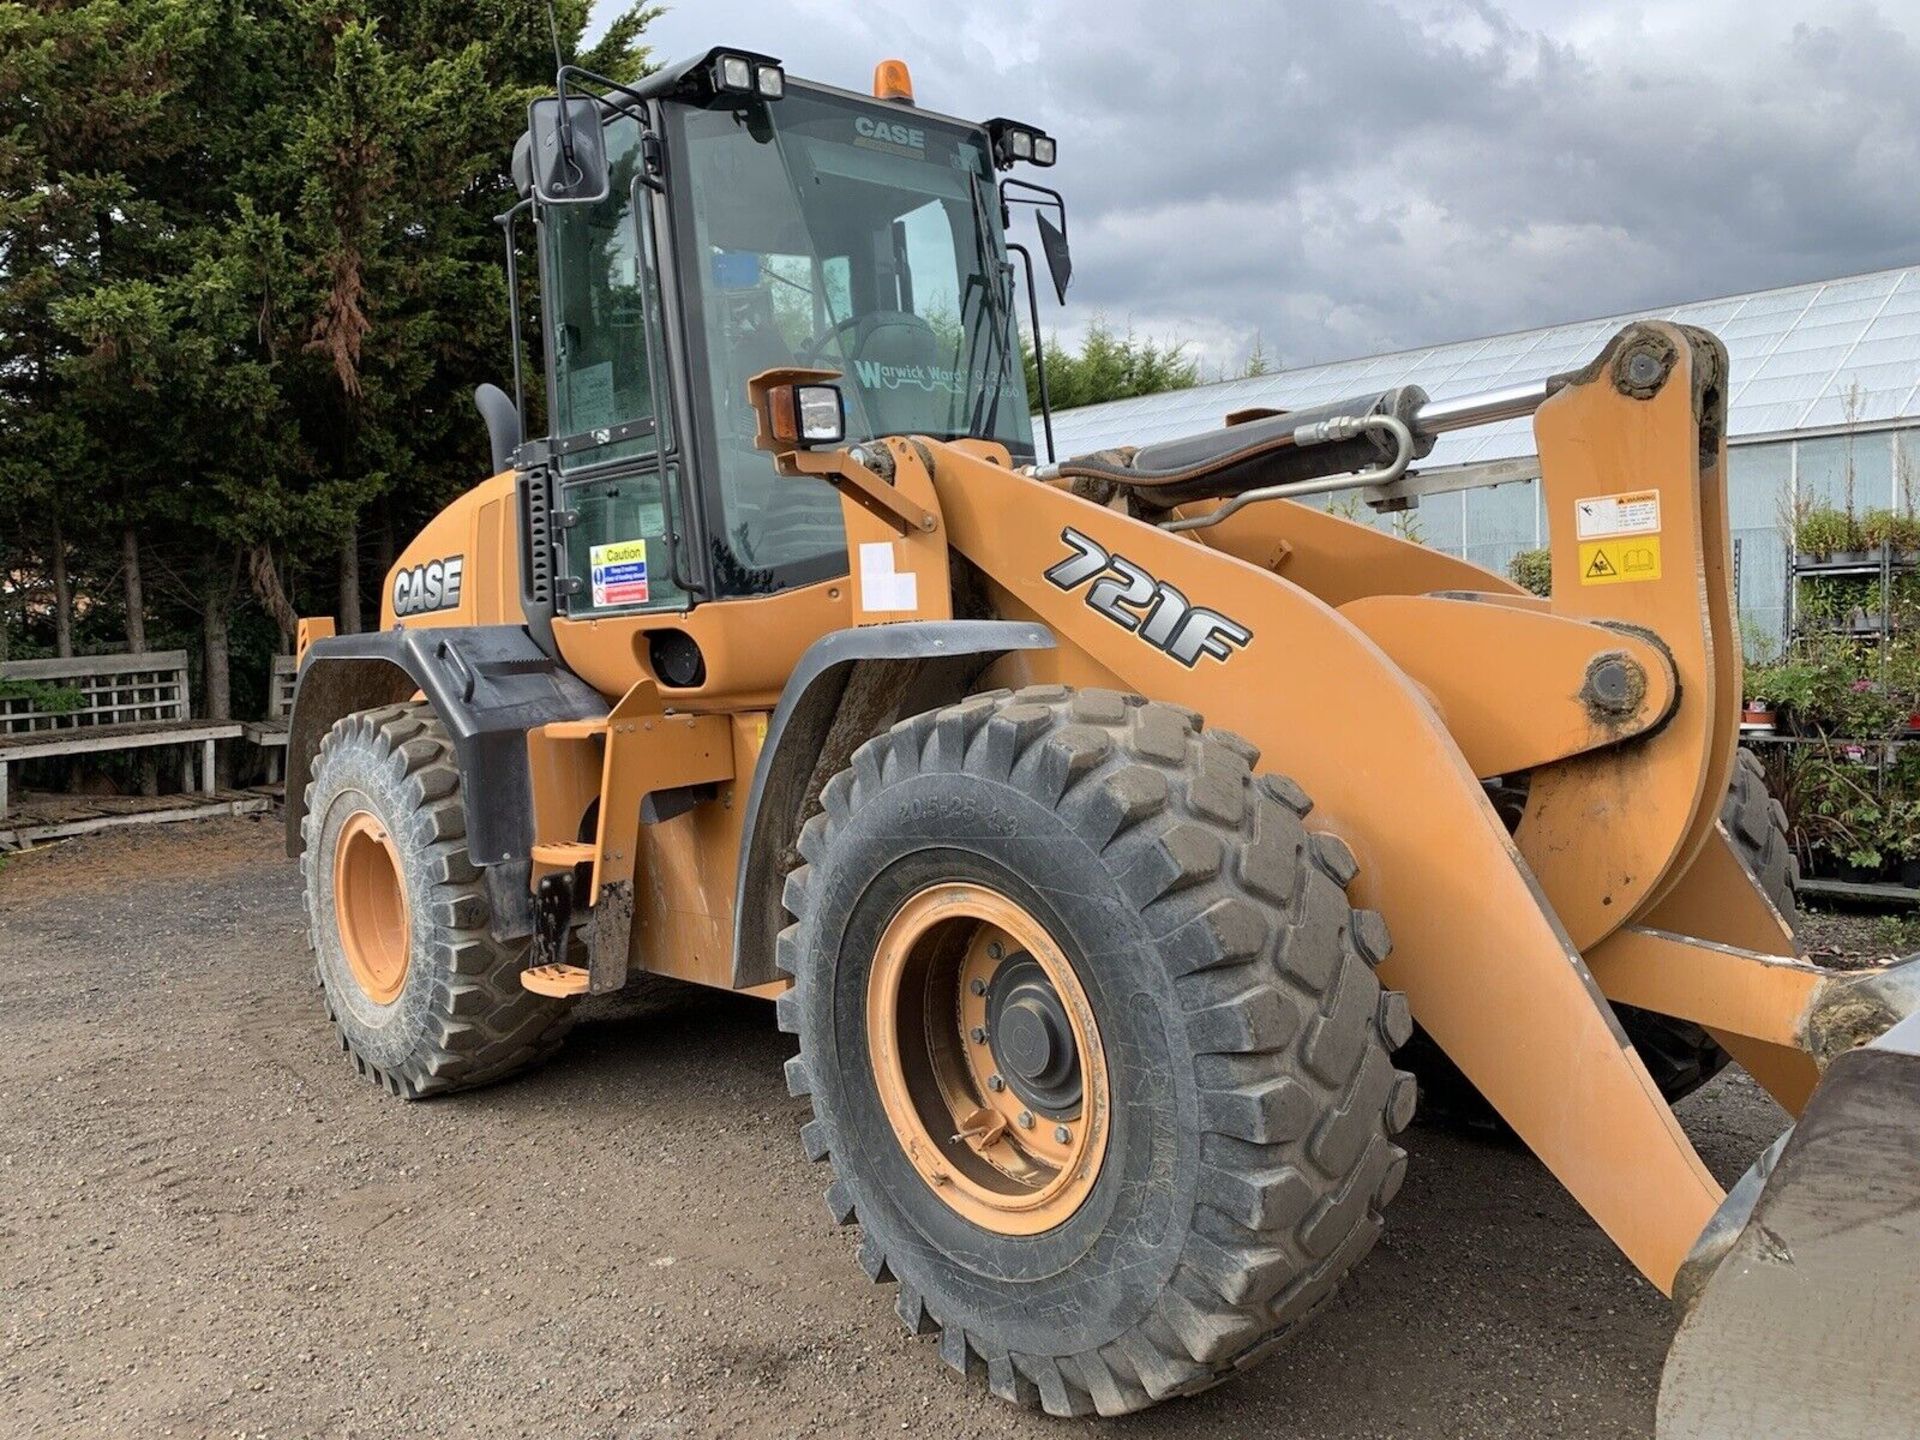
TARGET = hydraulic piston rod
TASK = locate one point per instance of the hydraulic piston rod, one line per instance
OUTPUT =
(1436, 417)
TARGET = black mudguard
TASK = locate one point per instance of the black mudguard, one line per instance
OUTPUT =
(849, 686)
(489, 684)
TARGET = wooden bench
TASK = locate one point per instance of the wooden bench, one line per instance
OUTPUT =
(94, 703)
(270, 734)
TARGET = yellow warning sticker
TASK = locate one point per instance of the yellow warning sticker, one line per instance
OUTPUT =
(1617, 562)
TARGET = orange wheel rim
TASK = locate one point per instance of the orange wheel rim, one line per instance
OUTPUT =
(370, 907)
(987, 1059)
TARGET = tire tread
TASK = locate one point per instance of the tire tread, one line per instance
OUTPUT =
(1290, 1031)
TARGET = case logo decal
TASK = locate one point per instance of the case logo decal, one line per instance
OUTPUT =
(432, 586)
(1149, 608)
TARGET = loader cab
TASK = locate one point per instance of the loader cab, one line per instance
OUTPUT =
(742, 228)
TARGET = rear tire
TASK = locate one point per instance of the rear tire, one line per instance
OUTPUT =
(1680, 1055)
(1757, 825)
(421, 995)
(1250, 1093)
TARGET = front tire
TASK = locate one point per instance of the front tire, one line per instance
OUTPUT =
(420, 994)
(1185, 940)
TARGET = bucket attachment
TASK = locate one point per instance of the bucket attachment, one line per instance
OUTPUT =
(1801, 1305)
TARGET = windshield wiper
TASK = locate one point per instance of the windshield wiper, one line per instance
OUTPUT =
(986, 405)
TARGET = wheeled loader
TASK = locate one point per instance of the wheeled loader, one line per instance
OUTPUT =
(1102, 828)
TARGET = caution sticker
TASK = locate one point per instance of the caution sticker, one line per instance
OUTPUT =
(1637, 512)
(619, 573)
(1620, 562)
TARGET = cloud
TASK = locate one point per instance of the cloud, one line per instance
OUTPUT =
(1348, 176)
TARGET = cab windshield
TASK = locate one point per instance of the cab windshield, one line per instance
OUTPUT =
(838, 234)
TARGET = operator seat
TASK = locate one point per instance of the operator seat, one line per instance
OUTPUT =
(896, 363)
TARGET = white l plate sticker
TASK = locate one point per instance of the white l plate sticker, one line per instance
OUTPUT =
(883, 588)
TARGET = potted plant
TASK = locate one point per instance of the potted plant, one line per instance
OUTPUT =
(1825, 534)
(1900, 672)
(1869, 710)
(1876, 529)
(1903, 535)
(1900, 838)
(1758, 714)
(1810, 688)
(1860, 824)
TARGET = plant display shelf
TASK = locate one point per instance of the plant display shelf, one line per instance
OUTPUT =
(1857, 563)
(1832, 742)
(1878, 892)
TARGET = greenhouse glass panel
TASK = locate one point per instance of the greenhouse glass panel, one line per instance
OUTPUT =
(1503, 516)
(1441, 521)
(1496, 556)
(1760, 485)
(1760, 563)
(1847, 471)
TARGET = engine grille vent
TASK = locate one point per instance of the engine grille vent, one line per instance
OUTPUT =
(536, 531)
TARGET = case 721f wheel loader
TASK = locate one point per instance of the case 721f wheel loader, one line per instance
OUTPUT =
(1102, 828)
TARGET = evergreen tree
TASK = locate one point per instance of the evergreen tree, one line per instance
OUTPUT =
(1257, 364)
(249, 277)
(1109, 366)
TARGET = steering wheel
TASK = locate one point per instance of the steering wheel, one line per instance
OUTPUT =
(810, 352)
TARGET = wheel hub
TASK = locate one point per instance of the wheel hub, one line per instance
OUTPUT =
(1031, 1037)
(370, 907)
(987, 1059)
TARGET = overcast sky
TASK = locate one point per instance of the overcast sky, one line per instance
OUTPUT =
(1343, 177)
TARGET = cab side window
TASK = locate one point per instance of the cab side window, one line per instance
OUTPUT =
(603, 296)
(608, 419)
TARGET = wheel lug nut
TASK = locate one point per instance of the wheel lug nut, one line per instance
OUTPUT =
(995, 950)
(1026, 1119)
(1062, 1134)
(977, 1035)
(996, 1084)
(978, 987)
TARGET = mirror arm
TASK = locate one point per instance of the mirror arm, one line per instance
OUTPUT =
(1041, 198)
(649, 138)
(1053, 200)
(638, 110)
(1039, 346)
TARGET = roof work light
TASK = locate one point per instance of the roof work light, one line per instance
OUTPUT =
(732, 73)
(1014, 142)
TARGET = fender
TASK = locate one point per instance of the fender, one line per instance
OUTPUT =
(848, 687)
(490, 685)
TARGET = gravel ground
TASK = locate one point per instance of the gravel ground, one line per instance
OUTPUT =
(209, 1226)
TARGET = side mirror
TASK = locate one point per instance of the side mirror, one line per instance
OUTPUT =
(568, 153)
(1053, 240)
